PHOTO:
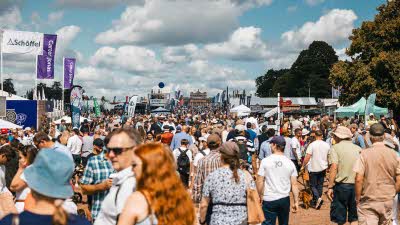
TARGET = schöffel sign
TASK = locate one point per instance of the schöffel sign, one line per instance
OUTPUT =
(23, 43)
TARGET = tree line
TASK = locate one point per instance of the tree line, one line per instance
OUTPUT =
(373, 66)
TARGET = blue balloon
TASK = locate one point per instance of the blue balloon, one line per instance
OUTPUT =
(161, 85)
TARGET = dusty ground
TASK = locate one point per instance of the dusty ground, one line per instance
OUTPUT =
(312, 216)
(302, 217)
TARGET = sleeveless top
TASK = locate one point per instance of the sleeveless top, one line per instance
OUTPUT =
(149, 220)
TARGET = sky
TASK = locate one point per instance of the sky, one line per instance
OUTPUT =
(126, 47)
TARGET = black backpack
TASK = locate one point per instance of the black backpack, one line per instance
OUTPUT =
(242, 150)
(183, 162)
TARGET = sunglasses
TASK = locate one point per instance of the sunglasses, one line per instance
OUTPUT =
(119, 151)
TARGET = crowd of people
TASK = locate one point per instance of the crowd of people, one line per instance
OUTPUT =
(192, 167)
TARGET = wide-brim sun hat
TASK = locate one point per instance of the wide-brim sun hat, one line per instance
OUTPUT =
(343, 132)
(50, 174)
(305, 132)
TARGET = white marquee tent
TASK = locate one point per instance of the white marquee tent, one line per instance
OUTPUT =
(68, 120)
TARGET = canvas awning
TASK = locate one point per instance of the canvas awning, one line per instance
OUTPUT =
(8, 125)
(359, 108)
(242, 109)
(271, 112)
(160, 110)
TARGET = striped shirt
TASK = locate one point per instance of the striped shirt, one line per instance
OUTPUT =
(249, 143)
(206, 165)
(97, 170)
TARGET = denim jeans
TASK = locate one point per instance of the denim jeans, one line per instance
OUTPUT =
(343, 207)
(279, 208)
(316, 184)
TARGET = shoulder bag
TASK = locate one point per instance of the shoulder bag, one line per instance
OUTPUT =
(255, 214)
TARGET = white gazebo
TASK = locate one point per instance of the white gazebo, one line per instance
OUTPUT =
(68, 120)
(241, 110)
(8, 125)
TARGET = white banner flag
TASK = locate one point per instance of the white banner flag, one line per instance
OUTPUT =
(22, 42)
(132, 106)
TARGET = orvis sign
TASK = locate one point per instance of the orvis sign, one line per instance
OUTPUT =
(22, 42)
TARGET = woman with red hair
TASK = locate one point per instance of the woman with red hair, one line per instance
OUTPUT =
(160, 197)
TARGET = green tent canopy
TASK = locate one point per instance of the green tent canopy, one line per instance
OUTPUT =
(359, 108)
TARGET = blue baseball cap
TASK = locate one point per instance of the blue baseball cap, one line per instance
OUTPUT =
(50, 174)
(278, 140)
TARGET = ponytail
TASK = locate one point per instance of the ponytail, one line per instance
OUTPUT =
(234, 166)
(60, 216)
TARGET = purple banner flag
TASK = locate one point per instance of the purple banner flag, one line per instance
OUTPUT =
(45, 62)
(69, 72)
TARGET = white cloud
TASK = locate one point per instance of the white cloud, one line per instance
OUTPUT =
(175, 22)
(179, 54)
(65, 36)
(244, 44)
(95, 4)
(333, 27)
(55, 17)
(342, 54)
(129, 58)
(10, 17)
(314, 2)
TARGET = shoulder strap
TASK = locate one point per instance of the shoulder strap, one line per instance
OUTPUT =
(151, 212)
(247, 179)
(180, 150)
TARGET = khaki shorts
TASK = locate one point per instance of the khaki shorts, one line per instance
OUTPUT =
(372, 213)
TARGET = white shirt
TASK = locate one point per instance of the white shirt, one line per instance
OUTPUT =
(124, 183)
(200, 156)
(295, 145)
(224, 135)
(296, 124)
(3, 187)
(176, 153)
(277, 170)
(74, 144)
(21, 195)
(288, 147)
(319, 156)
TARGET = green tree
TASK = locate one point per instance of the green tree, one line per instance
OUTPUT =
(375, 65)
(8, 86)
(266, 82)
(310, 71)
(284, 85)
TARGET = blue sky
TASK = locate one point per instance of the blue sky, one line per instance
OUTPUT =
(126, 47)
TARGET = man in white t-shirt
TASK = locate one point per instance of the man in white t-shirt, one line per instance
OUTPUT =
(316, 161)
(295, 155)
(204, 151)
(277, 176)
